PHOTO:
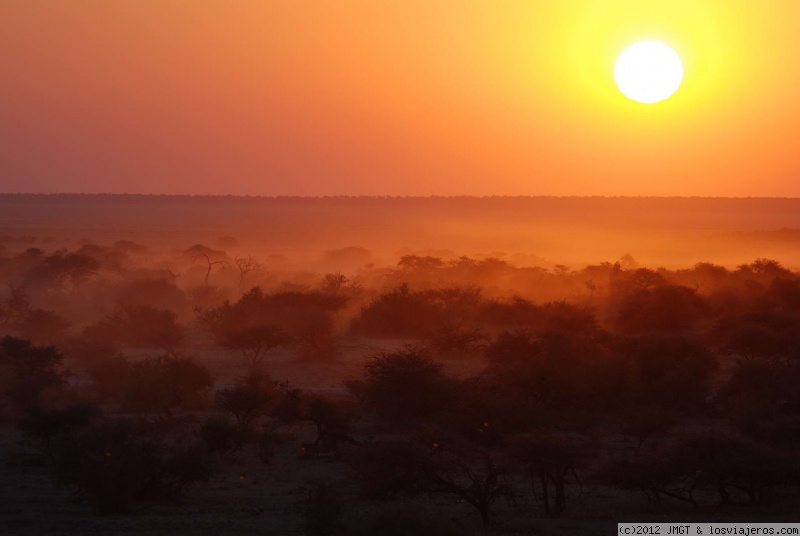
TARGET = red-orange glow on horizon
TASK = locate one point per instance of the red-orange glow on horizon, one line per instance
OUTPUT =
(322, 97)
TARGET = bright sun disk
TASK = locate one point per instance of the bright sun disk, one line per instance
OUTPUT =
(648, 72)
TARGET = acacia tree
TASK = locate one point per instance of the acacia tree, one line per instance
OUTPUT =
(14, 307)
(446, 465)
(43, 326)
(117, 463)
(255, 342)
(62, 267)
(212, 258)
(331, 423)
(552, 462)
(318, 340)
(734, 468)
(38, 325)
(139, 326)
(245, 265)
(403, 385)
(45, 426)
(642, 422)
(164, 383)
(473, 475)
(772, 335)
(249, 398)
(28, 371)
(671, 372)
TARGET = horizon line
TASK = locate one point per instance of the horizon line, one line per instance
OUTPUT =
(387, 196)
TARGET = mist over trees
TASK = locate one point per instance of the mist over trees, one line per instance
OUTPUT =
(525, 394)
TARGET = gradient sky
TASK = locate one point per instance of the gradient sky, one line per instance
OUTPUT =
(419, 97)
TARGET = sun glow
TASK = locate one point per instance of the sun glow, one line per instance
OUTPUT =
(648, 72)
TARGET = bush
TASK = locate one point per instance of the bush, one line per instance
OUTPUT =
(254, 342)
(139, 326)
(403, 385)
(164, 383)
(331, 422)
(671, 372)
(324, 510)
(392, 468)
(400, 313)
(27, 371)
(115, 464)
(734, 468)
(222, 437)
(552, 460)
(403, 522)
(266, 443)
(45, 426)
(109, 376)
(249, 399)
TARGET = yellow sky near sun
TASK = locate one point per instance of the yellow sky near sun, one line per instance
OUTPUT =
(321, 97)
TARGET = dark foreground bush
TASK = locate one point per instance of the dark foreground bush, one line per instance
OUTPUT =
(222, 437)
(45, 426)
(473, 475)
(403, 522)
(324, 511)
(699, 468)
(116, 463)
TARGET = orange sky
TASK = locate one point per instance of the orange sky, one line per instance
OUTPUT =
(419, 97)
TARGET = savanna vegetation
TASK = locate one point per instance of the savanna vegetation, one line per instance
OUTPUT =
(435, 395)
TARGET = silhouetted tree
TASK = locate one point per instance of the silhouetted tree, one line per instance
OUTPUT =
(139, 326)
(161, 384)
(761, 388)
(255, 342)
(223, 438)
(474, 475)
(442, 465)
(419, 263)
(299, 314)
(656, 476)
(251, 397)
(14, 308)
(117, 463)
(452, 340)
(716, 463)
(109, 376)
(659, 309)
(28, 371)
(400, 313)
(550, 369)
(515, 314)
(155, 292)
(46, 425)
(43, 327)
(318, 340)
(246, 265)
(334, 283)
(19, 317)
(330, 420)
(670, 371)
(57, 270)
(324, 511)
(764, 270)
(199, 252)
(392, 468)
(403, 385)
(765, 334)
(642, 422)
(552, 462)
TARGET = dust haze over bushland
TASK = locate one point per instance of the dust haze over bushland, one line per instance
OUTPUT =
(576, 231)
(342, 366)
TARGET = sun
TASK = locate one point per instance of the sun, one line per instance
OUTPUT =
(648, 72)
